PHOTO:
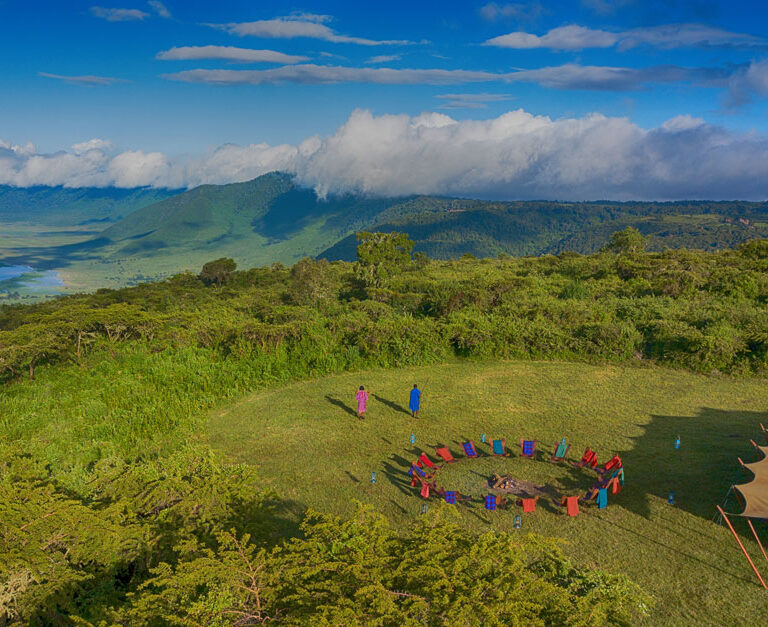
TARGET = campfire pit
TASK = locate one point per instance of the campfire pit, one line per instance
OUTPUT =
(509, 485)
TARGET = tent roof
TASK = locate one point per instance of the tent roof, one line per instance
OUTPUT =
(755, 492)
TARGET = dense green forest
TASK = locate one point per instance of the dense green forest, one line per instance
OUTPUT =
(111, 511)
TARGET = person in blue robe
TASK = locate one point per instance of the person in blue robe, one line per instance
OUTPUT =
(413, 405)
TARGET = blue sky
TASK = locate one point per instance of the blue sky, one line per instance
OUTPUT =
(180, 79)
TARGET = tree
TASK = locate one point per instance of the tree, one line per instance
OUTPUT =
(360, 571)
(311, 280)
(218, 271)
(381, 255)
(628, 241)
(754, 249)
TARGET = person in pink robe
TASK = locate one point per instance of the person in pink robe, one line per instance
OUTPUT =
(362, 400)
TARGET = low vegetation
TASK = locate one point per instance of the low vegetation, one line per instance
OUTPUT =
(112, 510)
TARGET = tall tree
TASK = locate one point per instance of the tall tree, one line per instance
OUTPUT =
(381, 255)
(628, 240)
(218, 271)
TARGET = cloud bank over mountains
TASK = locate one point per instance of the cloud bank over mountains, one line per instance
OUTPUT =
(514, 156)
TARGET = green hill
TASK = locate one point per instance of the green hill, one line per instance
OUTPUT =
(445, 228)
(250, 221)
(272, 219)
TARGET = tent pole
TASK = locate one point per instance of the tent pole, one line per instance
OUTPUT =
(754, 533)
(749, 559)
(723, 504)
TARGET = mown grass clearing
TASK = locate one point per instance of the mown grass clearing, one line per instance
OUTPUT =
(308, 444)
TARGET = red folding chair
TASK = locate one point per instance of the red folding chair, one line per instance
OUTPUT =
(445, 454)
(425, 461)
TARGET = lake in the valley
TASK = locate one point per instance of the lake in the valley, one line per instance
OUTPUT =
(27, 280)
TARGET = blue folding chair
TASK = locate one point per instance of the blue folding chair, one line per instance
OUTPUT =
(528, 447)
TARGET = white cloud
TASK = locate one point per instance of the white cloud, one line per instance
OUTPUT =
(471, 101)
(568, 76)
(89, 80)
(515, 155)
(327, 74)
(290, 27)
(384, 58)
(17, 149)
(563, 38)
(748, 82)
(118, 15)
(228, 53)
(684, 122)
(574, 37)
(136, 169)
(159, 8)
(303, 16)
(91, 144)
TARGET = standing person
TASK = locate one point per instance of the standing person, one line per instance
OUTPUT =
(362, 401)
(413, 405)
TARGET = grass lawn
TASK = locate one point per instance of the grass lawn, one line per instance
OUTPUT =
(307, 443)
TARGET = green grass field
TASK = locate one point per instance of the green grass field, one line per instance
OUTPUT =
(306, 442)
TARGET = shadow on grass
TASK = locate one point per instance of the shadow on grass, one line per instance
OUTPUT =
(391, 404)
(701, 471)
(674, 549)
(341, 405)
(397, 477)
(271, 521)
(398, 506)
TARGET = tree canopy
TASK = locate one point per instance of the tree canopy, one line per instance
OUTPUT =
(218, 271)
(381, 255)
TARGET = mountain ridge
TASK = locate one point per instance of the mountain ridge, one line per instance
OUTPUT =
(272, 219)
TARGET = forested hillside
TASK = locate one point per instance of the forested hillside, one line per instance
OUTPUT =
(448, 228)
(272, 219)
(65, 206)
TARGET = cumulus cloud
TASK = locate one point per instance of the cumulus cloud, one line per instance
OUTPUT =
(118, 15)
(574, 37)
(89, 80)
(470, 101)
(747, 82)
(568, 76)
(228, 53)
(298, 25)
(515, 155)
(91, 144)
(159, 8)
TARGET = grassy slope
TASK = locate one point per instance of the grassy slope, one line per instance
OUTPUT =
(305, 440)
